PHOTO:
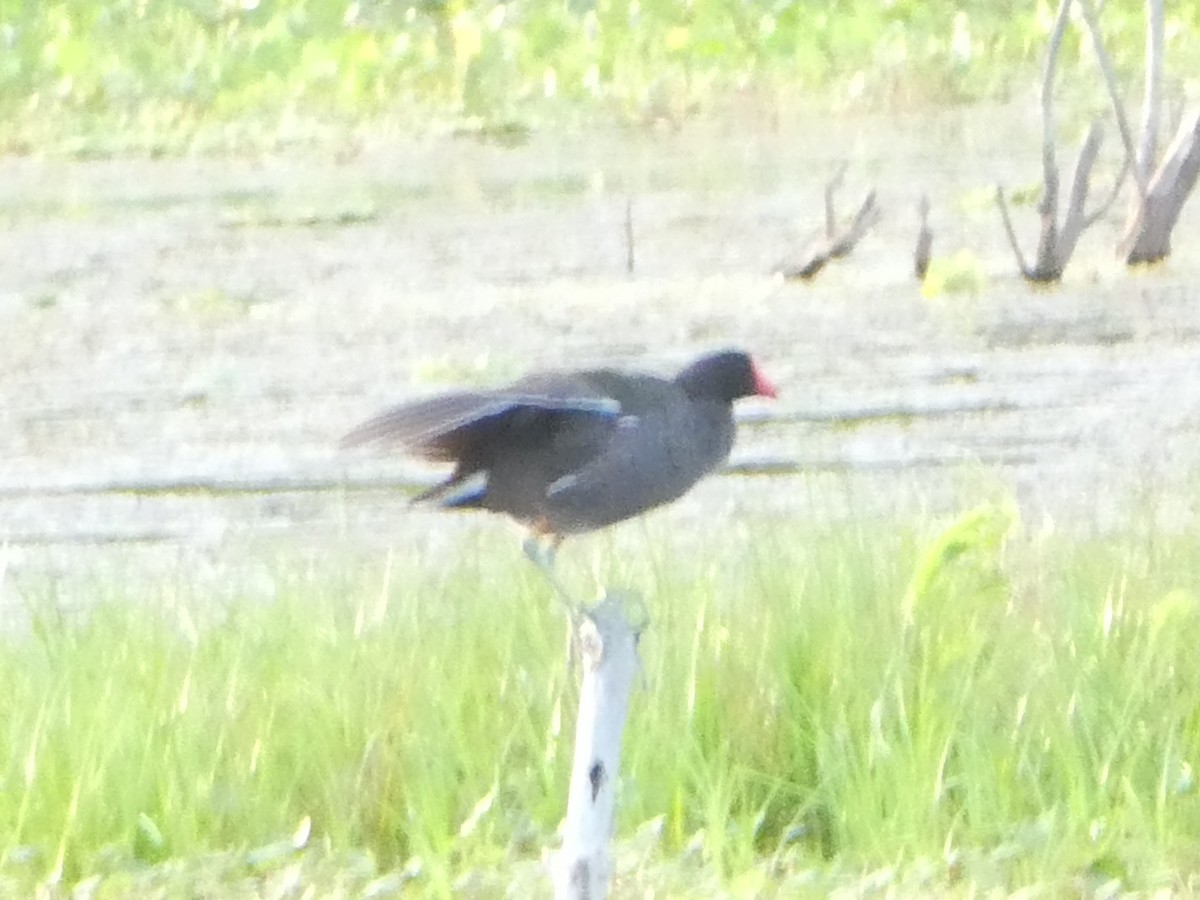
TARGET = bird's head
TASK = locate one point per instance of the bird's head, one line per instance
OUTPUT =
(728, 376)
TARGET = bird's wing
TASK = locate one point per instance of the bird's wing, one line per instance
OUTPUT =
(649, 460)
(440, 427)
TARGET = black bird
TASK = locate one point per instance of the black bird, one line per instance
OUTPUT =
(568, 452)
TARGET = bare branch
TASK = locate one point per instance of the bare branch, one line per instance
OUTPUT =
(1056, 243)
(866, 217)
(1114, 90)
(1076, 218)
(831, 187)
(834, 244)
(1049, 166)
(1048, 205)
(1148, 236)
(1148, 148)
(924, 247)
(1010, 231)
(1051, 61)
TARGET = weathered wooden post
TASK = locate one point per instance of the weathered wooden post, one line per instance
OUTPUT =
(607, 645)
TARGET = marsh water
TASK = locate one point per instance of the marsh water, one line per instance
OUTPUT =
(182, 341)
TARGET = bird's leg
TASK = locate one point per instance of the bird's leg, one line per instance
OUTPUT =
(542, 554)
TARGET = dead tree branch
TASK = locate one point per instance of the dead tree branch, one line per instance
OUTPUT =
(1077, 218)
(1057, 243)
(1148, 236)
(1161, 192)
(1011, 232)
(1049, 165)
(866, 218)
(1148, 146)
(830, 187)
(1114, 91)
(924, 247)
(834, 244)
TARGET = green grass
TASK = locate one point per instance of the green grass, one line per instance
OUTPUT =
(159, 76)
(943, 707)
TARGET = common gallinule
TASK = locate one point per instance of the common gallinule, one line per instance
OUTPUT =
(568, 452)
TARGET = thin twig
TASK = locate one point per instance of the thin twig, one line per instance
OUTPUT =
(1010, 231)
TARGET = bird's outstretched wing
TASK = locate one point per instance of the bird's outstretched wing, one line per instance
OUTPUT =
(439, 428)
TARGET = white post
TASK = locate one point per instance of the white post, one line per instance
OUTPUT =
(608, 651)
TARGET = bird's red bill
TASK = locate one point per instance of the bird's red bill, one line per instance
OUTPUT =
(762, 384)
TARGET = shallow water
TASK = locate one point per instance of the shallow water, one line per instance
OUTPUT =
(182, 341)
